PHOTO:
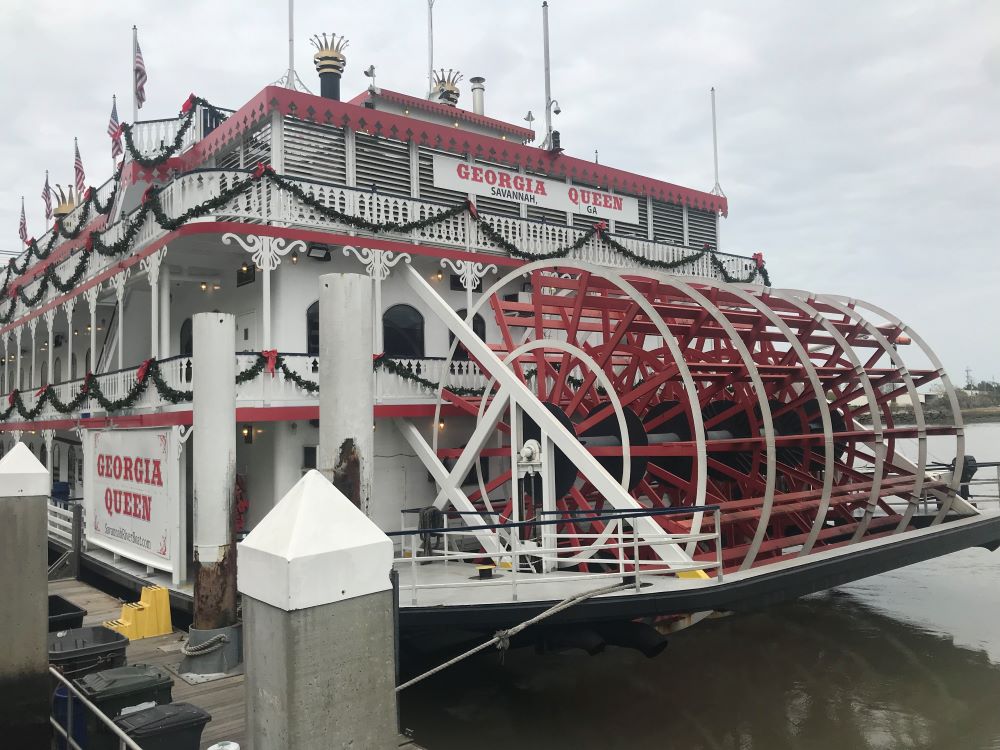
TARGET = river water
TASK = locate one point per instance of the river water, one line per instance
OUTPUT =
(907, 659)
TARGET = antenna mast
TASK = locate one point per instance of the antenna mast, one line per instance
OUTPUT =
(430, 49)
(291, 79)
(548, 85)
(717, 190)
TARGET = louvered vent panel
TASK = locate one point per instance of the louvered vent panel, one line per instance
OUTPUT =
(314, 151)
(229, 159)
(382, 162)
(668, 222)
(546, 214)
(635, 230)
(701, 228)
(585, 221)
(258, 146)
(427, 190)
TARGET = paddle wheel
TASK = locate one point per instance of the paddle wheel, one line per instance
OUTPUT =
(772, 404)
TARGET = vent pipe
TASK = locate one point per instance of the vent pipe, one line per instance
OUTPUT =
(330, 63)
(478, 95)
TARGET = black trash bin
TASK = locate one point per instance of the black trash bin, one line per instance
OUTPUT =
(112, 690)
(81, 651)
(175, 726)
(63, 614)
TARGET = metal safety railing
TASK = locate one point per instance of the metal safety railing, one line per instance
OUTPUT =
(615, 548)
(65, 729)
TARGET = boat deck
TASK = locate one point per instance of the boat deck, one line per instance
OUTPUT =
(223, 699)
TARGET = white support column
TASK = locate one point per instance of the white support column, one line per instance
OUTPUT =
(414, 169)
(6, 363)
(347, 388)
(50, 319)
(267, 253)
(32, 327)
(650, 234)
(119, 282)
(91, 295)
(68, 307)
(47, 436)
(151, 265)
(277, 142)
(378, 264)
(17, 372)
(164, 322)
(214, 410)
(350, 158)
(684, 225)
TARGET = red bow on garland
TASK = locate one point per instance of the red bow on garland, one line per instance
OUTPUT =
(758, 258)
(13, 291)
(10, 397)
(600, 226)
(140, 374)
(473, 212)
(188, 104)
(41, 390)
(86, 383)
(88, 193)
(377, 357)
(271, 355)
(261, 169)
(148, 194)
(88, 244)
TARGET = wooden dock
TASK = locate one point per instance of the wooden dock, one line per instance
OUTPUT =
(223, 699)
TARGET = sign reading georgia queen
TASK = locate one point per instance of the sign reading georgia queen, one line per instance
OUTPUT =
(480, 179)
(133, 495)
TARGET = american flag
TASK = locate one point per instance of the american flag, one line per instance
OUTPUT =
(47, 197)
(22, 230)
(81, 178)
(139, 68)
(115, 130)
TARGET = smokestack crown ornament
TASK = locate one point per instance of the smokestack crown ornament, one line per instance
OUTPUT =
(446, 86)
(330, 62)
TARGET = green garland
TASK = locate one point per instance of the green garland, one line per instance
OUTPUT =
(188, 112)
(405, 371)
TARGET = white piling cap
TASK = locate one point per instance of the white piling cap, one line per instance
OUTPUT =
(21, 474)
(314, 547)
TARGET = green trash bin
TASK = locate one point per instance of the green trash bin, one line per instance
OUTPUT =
(176, 726)
(115, 689)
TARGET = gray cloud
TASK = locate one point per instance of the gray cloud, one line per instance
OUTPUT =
(859, 140)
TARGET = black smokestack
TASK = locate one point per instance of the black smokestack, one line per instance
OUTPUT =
(330, 63)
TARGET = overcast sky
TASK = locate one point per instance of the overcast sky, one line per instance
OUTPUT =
(859, 141)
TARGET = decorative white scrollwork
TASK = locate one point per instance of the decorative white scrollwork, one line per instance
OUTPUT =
(377, 262)
(151, 265)
(118, 281)
(266, 252)
(469, 270)
(91, 294)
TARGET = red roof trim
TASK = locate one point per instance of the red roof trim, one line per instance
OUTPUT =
(415, 102)
(345, 114)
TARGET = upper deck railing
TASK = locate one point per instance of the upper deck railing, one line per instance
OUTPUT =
(264, 203)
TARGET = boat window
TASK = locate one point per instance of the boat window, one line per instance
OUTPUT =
(312, 329)
(57, 370)
(186, 342)
(478, 328)
(403, 332)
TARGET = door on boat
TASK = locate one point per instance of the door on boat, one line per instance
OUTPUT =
(246, 331)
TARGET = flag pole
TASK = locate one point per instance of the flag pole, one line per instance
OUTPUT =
(135, 102)
(114, 108)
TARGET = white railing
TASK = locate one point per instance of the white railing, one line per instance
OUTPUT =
(60, 523)
(151, 136)
(65, 726)
(459, 374)
(615, 552)
(263, 202)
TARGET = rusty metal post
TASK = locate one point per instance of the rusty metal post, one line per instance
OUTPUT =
(347, 385)
(214, 419)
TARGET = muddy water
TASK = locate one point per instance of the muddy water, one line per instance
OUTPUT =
(909, 659)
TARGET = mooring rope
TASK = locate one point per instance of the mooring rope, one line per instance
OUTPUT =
(502, 637)
(212, 644)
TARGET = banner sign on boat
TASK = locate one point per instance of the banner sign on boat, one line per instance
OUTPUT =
(516, 187)
(132, 495)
